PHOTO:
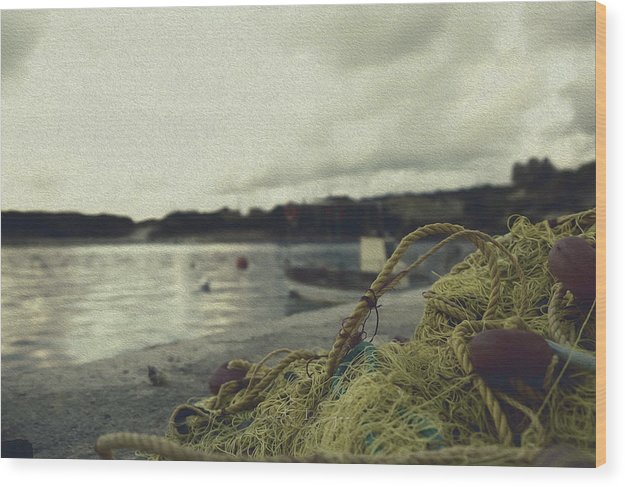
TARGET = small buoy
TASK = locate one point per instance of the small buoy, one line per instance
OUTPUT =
(572, 262)
(222, 375)
(242, 263)
(501, 354)
(206, 287)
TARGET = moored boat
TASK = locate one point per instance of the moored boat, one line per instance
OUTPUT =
(323, 284)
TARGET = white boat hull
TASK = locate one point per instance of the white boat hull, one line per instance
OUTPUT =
(319, 294)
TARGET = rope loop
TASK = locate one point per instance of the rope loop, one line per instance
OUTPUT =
(385, 281)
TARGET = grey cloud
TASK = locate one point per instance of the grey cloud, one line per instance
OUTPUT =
(553, 25)
(582, 96)
(215, 106)
(382, 35)
(361, 36)
(368, 35)
(419, 89)
(425, 159)
(20, 35)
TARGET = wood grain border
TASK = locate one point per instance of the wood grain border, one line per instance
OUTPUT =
(600, 154)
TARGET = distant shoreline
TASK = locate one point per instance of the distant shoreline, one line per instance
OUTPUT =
(538, 191)
(230, 238)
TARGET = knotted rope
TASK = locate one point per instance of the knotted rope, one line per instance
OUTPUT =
(386, 281)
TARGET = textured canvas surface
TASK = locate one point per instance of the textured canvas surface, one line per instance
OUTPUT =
(185, 193)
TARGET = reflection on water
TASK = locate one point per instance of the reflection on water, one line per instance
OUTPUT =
(75, 304)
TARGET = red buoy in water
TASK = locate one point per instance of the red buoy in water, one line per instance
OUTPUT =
(242, 263)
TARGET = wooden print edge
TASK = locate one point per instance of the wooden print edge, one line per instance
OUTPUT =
(600, 153)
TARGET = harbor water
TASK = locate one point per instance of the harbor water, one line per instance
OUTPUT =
(72, 304)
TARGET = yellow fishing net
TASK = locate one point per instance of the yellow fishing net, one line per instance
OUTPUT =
(418, 401)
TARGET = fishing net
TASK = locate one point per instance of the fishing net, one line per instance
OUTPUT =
(419, 401)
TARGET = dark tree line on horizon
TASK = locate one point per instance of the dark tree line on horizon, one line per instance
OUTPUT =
(538, 190)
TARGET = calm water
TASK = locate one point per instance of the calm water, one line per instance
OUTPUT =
(75, 304)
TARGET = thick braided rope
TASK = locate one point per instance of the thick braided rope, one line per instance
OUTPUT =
(351, 324)
(550, 373)
(252, 396)
(382, 283)
(228, 389)
(469, 234)
(478, 239)
(495, 285)
(225, 394)
(240, 364)
(211, 403)
(256, 368)
(523, 305)
(486, 455)
(535, 430)
(208, 411)
(459, 346)
(560, 332)
(525, 391)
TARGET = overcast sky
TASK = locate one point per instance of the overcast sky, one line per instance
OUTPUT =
(147, 111)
